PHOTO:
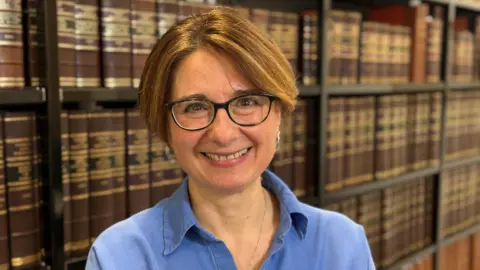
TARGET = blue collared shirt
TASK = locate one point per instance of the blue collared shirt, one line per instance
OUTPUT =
(168, 236)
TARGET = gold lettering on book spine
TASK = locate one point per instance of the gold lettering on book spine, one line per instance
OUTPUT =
(17, 262)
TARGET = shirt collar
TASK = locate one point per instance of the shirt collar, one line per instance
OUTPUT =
(178, 217)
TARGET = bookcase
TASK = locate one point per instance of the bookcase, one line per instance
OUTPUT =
(419, 181)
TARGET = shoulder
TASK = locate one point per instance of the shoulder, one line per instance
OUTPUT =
(340, 238)
(129, 242)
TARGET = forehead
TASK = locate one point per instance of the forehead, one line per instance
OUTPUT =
(210, 74)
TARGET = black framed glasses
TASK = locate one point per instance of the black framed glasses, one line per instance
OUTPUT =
(199, 113)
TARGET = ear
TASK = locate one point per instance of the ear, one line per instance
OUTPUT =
(277, 112)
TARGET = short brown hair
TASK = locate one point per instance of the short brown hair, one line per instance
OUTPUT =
(221, 30)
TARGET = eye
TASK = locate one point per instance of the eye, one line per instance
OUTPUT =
(246, 101)
(195, 107)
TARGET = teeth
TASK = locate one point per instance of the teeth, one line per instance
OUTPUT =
(229, 157)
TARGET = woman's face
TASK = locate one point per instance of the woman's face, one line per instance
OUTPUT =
(203, 154)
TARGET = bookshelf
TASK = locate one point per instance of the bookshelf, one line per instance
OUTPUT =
(28, 95)
(51, 98)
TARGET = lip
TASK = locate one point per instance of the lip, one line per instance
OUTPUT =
(227, 163)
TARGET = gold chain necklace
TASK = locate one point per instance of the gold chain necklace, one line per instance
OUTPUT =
(261, 228)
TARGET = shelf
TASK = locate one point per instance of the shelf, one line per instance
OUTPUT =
(29, 95)
(459, 235)
(365, 89)
(412, 258)
(98, 94)
(464, 86)
(460, 162)
(344, 193)
(310, 90)
(468, 5)
(75, 263)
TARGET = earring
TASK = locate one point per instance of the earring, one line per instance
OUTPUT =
(168, 155)
(277, 142)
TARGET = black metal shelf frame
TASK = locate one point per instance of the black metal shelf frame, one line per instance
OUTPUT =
(23, 96)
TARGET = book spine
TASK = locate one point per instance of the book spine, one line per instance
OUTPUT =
(116, 43)
(87, 44)
(429, 192)
(275, 28)
(11, 45)
(361, 131)
(36, 46)
(260, 17)
(335, 144)
(22, 204)
(370, 139)
(421, 214)
(336, 47)
(299, 145)
(367, 53)
(351, 30)
(117, 152)
(66, 42)
(67, 197)
(382, 157)
(4, 235)
(307, 47)
(419, 35)
(291, 29)
(350, 140)
(387, 229)
(349, 208)
(158, 163)
(138, 163)
(101, 178)
(435, 116)
(167, 11)
(78, 172)
(144, 35)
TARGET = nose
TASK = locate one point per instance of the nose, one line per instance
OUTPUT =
(223, 130)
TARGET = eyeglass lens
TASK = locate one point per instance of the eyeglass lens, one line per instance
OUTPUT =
(244, 110)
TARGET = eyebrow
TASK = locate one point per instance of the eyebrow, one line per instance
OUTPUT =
(236, 93)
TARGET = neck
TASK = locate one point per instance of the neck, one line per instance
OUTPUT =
(229, 214)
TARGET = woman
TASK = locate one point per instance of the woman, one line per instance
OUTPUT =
(215, 89)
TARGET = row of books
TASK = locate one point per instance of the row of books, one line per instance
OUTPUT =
(463, 124)
(463, 254)
(397, 220)
(460, 199)
(377, 137)
(106, 43)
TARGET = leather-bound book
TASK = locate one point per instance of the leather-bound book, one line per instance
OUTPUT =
(116, 43)
(368, 63)
(260, 17)
(361, 130)
(167, 13)
(449, 128)
(420, 229)
(159, 158)
(429, 192)
(79, 182)
(349, 208)
(369, 142)
(87, 44)
(350, 47)
(350, 141)
(4, 248)
(36, 48)
(66, 42)
(101, 179)
(387, 234)
(423, 101)
(335, 144)
(275, 28)
(290, 37)
(300, 121)
(138, 163)
(22, 204)
(382, 131)
(144, 35)
(337, 18)
(434, 45)
(435, 116)
(308, 48)
(475, 251)
(117, 152)
(67, 197)
(11, 45)
(383, 56)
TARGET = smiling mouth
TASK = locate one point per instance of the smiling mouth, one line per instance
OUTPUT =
(229, 157)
